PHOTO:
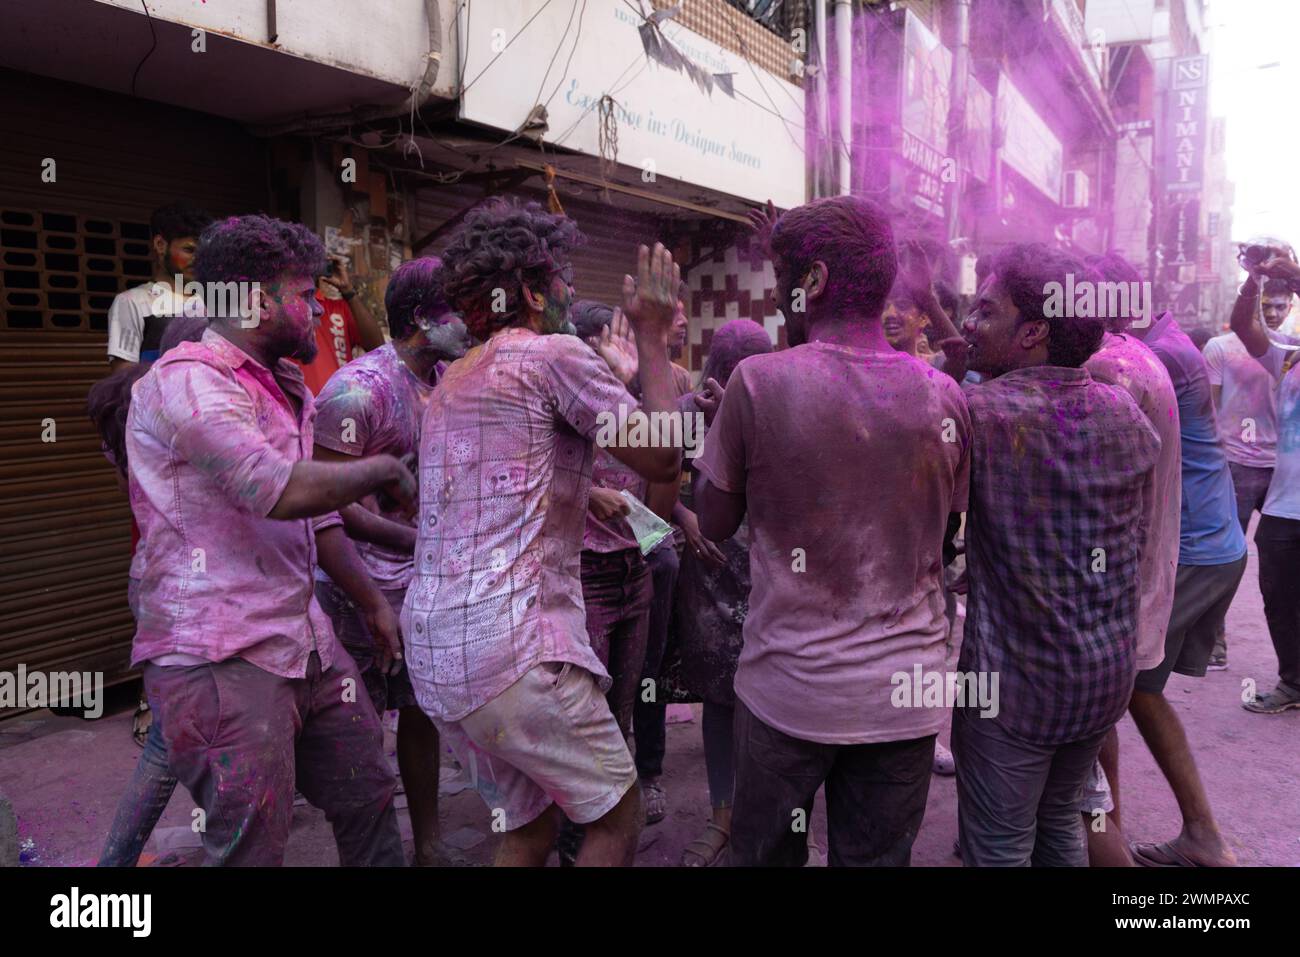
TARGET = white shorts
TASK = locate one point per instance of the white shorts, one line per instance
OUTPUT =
(549, 738)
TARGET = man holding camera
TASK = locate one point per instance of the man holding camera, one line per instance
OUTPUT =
(1278, 534)
(347, 324)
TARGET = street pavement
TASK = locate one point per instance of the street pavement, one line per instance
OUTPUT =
(63, 776)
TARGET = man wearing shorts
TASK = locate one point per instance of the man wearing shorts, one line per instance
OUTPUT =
(494, 624)
(1211, 560)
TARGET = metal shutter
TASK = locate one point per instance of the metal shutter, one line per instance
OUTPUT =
(66, 248)
(613, 234)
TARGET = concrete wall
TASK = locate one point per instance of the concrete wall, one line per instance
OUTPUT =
(387, 40)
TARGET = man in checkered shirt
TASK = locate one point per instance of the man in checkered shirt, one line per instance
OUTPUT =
(1062, 482)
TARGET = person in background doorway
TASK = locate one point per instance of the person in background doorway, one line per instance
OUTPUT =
(138, 317)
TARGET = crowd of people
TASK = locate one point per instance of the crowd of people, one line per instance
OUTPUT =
(443, 527)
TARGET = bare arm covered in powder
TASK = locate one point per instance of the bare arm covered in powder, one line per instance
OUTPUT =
(363, 525)
(1246, 322)
(721, 510)
(917, 279)
(316, 488)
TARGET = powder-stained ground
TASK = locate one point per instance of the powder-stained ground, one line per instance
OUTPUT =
(64, 776)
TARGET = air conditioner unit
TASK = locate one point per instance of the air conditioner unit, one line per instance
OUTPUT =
(1075, 189)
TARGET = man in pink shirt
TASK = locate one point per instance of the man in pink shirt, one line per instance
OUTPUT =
(254, 693)
(847, 457)
(494, 622)
(1125, 361)
(374, 405)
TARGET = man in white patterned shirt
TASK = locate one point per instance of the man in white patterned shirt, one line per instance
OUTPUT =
(494, 623)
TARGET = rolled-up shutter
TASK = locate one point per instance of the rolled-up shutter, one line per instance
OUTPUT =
(69, 241)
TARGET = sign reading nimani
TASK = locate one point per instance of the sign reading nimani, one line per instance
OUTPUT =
(749, 145)
(1185, 122)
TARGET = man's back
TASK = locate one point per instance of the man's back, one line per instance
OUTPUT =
(1211, 534)
(1123, 360)
(850, 461)
(1059, 466)
(505, 468)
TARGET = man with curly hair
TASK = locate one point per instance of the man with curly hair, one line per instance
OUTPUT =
(494, 622)
(240, 663)
(371, 405)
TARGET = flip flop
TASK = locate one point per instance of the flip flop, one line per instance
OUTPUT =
(1161, 855)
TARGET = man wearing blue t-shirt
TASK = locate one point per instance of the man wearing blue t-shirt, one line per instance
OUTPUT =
(1211, 561)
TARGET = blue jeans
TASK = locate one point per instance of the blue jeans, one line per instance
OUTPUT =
(143, 803)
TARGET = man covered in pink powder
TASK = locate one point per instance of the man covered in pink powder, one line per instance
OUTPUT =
(240, 663)
(1124, 360)
(1062, 489)
(494, 622)
(371, 406)
(847, 458)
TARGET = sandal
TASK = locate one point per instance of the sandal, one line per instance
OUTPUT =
(1275, 702)
(140, 723)
(707, 848)
(656, 801)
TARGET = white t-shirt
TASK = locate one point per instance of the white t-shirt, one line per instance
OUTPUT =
(1283, 499)
(137, 318)
(1247, 412)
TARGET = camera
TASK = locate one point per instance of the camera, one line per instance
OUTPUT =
(1253, 254)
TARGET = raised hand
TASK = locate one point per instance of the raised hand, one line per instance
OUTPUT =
(709, 398)
(914, 270)
(955, 356)
(762, 219)
(1278, 266)
(339, 278)
(650, 300)
(617, 346)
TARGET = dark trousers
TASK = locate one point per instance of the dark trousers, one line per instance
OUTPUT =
(649, 721)
(1018, 803)
(1251, 487)
(1278, 540)
(240, 738)
(718, 725)
(616, 592)
(875, 797)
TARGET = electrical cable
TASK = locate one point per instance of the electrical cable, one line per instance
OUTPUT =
(465, 89)
(152, 46)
